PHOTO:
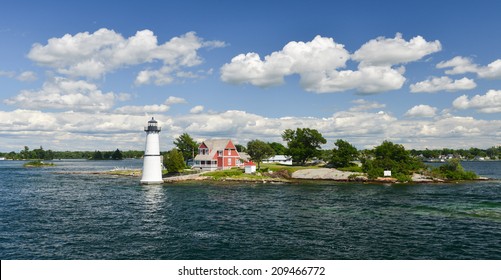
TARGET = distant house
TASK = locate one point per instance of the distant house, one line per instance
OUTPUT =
(217, 154)
(280, 159)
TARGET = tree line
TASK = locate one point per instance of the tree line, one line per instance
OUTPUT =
(42, 154)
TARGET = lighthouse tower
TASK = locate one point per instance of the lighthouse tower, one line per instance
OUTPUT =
(152, 166)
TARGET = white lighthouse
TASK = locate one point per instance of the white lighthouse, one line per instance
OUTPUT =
(152, 165)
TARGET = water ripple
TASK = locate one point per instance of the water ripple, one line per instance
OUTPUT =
(70, 216)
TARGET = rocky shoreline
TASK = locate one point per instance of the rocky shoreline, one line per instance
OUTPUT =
(314, 174)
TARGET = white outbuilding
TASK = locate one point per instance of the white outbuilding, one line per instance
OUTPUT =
(250, 167)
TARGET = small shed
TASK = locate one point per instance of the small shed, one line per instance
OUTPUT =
(250, 167)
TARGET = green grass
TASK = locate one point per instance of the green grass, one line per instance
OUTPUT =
(290, 168)
(354, 168)
(37, 163)
(238, 174)
(218, 174)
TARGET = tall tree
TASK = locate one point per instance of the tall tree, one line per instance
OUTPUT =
(303, 143)
(344, 154)
(174, 161)
(389, 156)
(187, 146)
(241, 148)
(259, 150)
(117, 155)
(97, 155)
(279, 148)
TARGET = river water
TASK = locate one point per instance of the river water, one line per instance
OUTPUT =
(46, 214)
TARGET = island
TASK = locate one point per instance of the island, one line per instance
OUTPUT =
(38, 163)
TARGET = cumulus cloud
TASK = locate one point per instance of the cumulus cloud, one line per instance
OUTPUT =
(92, 55)
(87, 130)
(27, 76)
(421, 111)
(365, 105)
(174, 100)
(444, 83)
(150, 109)
(459, 65)
(64, 94)
(319, 63)
(488, 103)
(146, 109)
(390, 51)
(366, 80)
(320, 54)
(197, 109)
(491, 71)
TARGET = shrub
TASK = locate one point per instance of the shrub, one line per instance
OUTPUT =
(453, 170)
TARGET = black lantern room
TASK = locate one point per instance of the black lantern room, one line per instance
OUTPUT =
(152, 126)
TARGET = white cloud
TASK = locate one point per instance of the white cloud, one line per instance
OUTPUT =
(318, 64)
(141, 110)
(65, 94)
(462, 65)
(92, 55)
(369, 79)
(459, 65)
(150, 109)
(390, 51)
(488, 103)
(90, 131)
(162, 76)
(27, 76)
(491, 71)
(365, 105)
(421, 111)
(318, 55)
(174, 100)
(197, 109)
(435, 84)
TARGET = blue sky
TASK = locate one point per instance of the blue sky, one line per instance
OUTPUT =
(88, 75)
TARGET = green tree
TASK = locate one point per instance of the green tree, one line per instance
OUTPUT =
(97, 155)
(187, 146)
(174, 161)
(344, 154)
(117, 155)
(25, 153)
(454, 171)
(393, 157)
(303, 143)
(279, 148)
(259, 150)
(241, 148)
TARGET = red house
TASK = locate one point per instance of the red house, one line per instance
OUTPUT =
(217, 154)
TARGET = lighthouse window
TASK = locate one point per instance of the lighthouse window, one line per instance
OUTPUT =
(220, 153)
(229, 152)
(229, 161)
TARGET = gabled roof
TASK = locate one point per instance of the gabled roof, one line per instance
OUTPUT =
(213, 146)
(279, 157)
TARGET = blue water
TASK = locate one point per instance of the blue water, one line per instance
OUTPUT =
(46, 214)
